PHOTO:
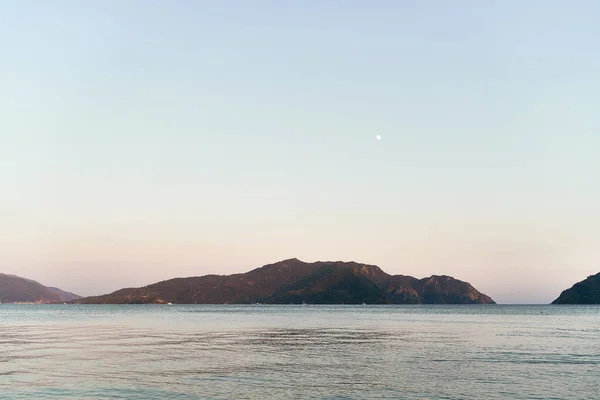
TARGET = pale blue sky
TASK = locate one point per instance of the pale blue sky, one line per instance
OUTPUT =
(145, 140)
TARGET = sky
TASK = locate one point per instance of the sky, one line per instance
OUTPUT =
(141, 141)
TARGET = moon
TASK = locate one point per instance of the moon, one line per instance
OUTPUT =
(378, 137)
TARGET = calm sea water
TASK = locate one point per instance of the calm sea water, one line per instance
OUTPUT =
(299, 352)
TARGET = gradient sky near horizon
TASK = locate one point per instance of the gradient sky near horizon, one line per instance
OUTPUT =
(141, 141)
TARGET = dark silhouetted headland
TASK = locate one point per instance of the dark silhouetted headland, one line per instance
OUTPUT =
(584, 292)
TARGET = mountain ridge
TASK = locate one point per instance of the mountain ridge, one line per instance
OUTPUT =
(295, 281)
(16, 289)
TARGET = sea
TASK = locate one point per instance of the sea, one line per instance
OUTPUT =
(299, 352)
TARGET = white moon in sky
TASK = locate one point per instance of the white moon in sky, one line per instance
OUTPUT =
(378, 137)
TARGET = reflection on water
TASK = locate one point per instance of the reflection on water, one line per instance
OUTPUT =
(282, 352)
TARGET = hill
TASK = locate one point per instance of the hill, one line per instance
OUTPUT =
(14, 289)
(294, 281)
(584, 292)
(62, 295)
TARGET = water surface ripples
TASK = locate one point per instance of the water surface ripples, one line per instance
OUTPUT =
(303, 352)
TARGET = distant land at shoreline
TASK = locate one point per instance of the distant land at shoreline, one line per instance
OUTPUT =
(296, 282)
(289, 282)
(584, 292)
(18, 290)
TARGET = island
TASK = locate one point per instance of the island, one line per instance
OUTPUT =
(296, 282)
